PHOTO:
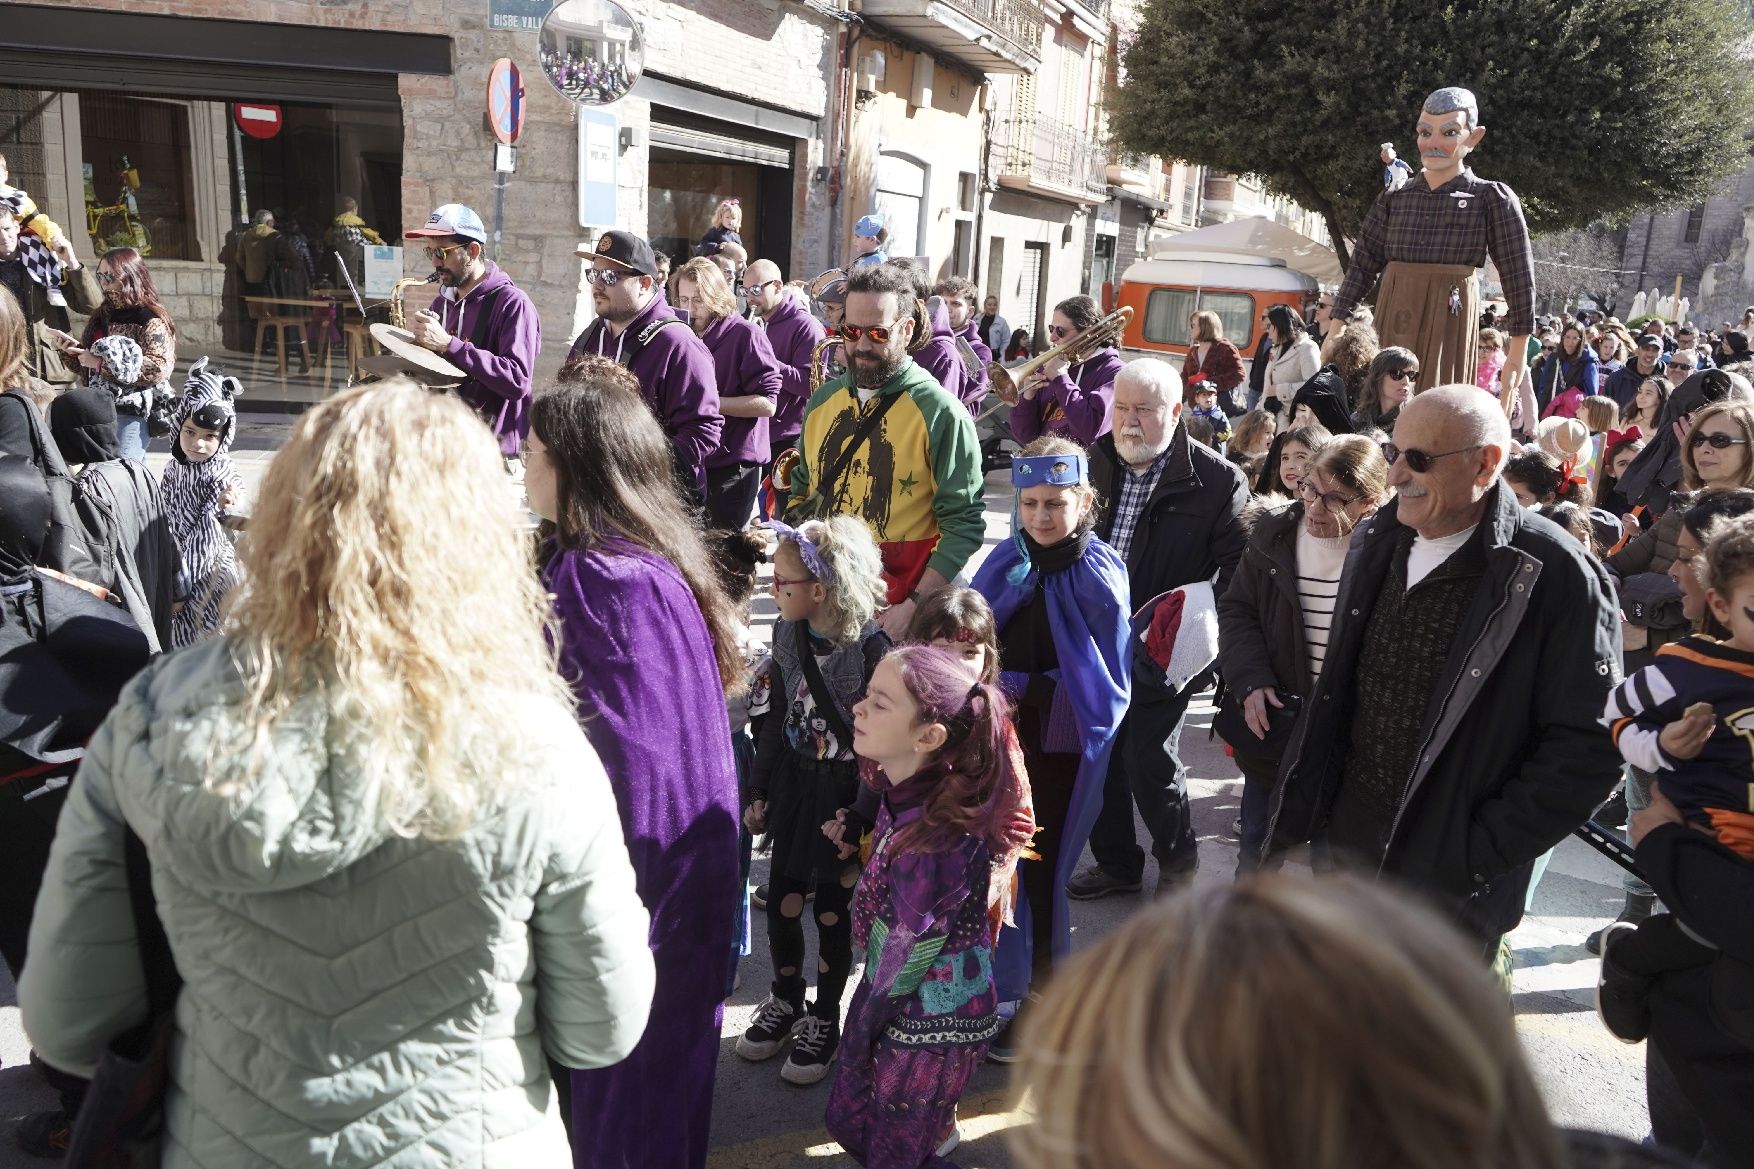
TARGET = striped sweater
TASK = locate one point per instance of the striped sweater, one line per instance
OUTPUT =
(1319, 564)
(1715, 789)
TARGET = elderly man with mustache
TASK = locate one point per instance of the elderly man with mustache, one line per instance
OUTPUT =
(1171, 507)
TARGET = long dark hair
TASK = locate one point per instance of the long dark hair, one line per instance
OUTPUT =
(133, 289)
(1287, 324)
(614, 478)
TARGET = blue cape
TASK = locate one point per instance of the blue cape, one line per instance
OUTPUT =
(1089, 611)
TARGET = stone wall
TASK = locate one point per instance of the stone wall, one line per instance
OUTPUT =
(1657, 248)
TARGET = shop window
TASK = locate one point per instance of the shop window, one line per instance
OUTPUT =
(139, 189)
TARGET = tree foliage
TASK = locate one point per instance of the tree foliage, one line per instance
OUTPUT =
(1595, 109)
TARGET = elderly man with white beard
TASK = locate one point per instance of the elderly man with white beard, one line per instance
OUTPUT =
(1172, 508)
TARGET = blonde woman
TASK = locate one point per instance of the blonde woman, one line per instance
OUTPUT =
(749, 381)
(1285, 1023)
(1211, 358)
(387, 861)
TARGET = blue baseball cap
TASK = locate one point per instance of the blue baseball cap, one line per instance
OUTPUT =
(453, 219)
(868, 226)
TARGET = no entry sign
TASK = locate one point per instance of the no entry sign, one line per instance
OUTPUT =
(258, 121)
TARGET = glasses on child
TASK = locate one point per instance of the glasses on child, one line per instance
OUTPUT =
(607, 277)
(781, 582)
(1717, 442)
(1420, 461)
(879, 334)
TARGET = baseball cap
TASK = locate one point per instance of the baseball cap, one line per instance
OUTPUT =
(868, 226)
(453, 219)
(625, 249)
(1651, 340)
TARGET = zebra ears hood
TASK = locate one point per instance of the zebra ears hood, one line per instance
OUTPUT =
(208, 400)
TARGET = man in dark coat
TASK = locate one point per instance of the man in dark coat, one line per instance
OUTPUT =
(1171, 507)
(1452, 737)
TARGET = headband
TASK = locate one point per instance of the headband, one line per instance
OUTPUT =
(1048, 471)
(807, 550)
(966, 636)
(1615, 437)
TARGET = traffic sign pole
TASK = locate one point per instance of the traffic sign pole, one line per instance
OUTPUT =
(505, 114)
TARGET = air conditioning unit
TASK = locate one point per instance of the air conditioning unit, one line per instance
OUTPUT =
(922, 90)
(870, 71)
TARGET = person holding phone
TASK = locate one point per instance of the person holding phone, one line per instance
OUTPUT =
(1273, 621)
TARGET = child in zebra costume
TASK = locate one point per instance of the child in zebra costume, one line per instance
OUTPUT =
(199, 483)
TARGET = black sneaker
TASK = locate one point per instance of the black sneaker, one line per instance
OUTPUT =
(758, 896)
(1638, 907)
(1002, 1047)
(1622, 1000)
(1097, 881)
(775, 1020)
(44, 1134)
(812, 1051)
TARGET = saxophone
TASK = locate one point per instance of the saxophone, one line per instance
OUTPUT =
(397, 317)
(819, 363)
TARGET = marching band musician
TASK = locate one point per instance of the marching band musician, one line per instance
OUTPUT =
(480, 322)
(748, 376)
(793, 334)
(1064, 399)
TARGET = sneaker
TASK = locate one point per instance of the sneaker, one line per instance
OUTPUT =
(44, 1134)
(1621, 1000)
(1002, 1047)
(1174, 880)
(949, 1143)
(775, 1020)
(1236, 827)
(813, 1050)
(1097, 881)
(758, 896)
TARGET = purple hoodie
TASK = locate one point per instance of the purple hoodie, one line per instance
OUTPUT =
(940, 359)
(794, 335)
(499, 369)
(746, 367)
(1076, 403)
(971, 333)
(675, 373)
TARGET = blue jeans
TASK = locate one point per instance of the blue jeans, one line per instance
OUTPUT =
(131, 433)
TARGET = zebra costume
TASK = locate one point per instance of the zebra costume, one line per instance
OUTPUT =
(191, 504)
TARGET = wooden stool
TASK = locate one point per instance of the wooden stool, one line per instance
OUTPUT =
(281, 325)
(360, 343)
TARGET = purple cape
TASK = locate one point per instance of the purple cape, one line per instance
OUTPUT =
(640, 658)
(1089, 613)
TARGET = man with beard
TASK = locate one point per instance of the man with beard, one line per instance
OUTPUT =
(481, 323)
(674, 367)
(1172, 508)
(886, 443)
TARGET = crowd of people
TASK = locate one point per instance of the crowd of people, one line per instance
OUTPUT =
(428, 896)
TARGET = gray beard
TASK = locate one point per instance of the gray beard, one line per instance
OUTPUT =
(1138, 452)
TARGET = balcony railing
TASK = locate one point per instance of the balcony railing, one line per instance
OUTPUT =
(1043, 152)
(1018, 22)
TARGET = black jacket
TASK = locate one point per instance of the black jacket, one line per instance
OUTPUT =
(1190, 529)
(1513, 757)
(1325, 395)
(1260, 616)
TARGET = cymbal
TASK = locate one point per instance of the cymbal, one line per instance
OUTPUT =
(400, 343)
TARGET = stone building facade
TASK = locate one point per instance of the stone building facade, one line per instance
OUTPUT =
(1690, 241)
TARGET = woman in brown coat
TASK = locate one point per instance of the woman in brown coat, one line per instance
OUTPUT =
(1273, 620)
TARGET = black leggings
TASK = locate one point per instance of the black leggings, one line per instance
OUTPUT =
(834, 937)
(1051, 780)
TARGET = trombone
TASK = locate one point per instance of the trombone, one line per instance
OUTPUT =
(1008, 383)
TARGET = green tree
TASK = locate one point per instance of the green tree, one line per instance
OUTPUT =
(1594, 109)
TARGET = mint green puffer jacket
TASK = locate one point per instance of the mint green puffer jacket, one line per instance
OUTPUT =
(351, 998)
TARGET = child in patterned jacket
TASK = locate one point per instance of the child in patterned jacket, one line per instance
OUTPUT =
(200, 484)
(955, 813)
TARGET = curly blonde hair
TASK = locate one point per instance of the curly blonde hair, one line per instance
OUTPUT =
(858, 589)
(385, 541)
(1322, 1023)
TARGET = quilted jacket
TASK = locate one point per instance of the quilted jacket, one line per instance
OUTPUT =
(351, 997)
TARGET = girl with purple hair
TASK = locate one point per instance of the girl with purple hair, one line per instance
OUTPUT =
(935, 741)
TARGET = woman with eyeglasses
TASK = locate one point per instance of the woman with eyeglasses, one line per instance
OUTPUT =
(1571, 367)
(1296, 357)
(131, 309)
(1069, 401)
(1273, 620)
(1392, 378)
(749, 386)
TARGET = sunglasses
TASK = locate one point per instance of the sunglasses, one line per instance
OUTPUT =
(1718, 442)
(1403, 375)
(433, 253)
(108, 278)
(1681, 365)
(607, 277)
(1332, 500)
(1419, 461)
(879, 334)
(752, 289)
(1059, 331)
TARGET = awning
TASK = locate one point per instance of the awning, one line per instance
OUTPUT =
(1254, 236)
(48, 47)
(1141, 200)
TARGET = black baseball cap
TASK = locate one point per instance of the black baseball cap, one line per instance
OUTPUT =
(625, 250)
(1650, 339)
